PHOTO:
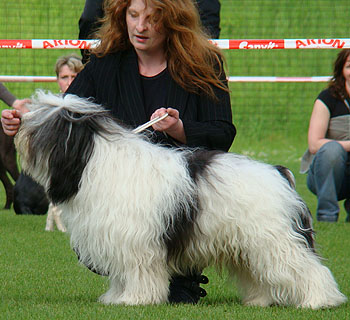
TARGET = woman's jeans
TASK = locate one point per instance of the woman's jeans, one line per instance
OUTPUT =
(329, 179)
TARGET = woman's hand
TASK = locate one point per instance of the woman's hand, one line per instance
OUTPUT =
(171, 125)
(20, 105)
(10, 121)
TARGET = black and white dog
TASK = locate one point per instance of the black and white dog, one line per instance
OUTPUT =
(141, 213)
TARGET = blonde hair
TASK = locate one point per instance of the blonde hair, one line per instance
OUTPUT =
(73, 62)
(193, 62)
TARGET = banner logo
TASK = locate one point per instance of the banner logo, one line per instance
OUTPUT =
(319, 43)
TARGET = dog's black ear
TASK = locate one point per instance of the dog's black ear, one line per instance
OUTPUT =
(71, 151)
(286, 174)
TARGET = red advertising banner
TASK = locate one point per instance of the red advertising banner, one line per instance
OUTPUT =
(244, 44)
(256, 44)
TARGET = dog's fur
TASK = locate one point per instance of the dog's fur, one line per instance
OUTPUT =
(141, 212)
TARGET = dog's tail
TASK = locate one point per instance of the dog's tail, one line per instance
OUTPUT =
(304, 225)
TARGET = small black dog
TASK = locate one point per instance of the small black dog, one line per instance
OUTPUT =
(29, 197)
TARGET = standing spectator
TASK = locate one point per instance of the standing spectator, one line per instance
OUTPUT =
(209, 11)
(155, 59)
(89, 22)
(329, 144)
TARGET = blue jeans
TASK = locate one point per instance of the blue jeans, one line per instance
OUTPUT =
(329, 180)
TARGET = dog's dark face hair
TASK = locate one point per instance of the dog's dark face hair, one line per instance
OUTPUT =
(66, 168)
(66, 139)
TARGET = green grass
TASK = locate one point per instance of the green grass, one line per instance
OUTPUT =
(40, 277)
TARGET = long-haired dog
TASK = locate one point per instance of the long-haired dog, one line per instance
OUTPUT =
(141, 213)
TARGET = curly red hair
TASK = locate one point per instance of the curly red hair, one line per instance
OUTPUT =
(193, 61)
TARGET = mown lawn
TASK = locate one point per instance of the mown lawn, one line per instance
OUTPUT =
(40, 277)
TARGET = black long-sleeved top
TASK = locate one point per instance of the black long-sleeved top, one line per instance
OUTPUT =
(114, 81)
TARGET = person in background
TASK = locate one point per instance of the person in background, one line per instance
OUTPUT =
(10, 99)
(89, 21)
(209, 11)
(154, 58)
(327, 158)
(66, 68)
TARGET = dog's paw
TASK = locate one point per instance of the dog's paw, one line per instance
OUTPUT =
(110, 298)
(120, 299)
(126, 299)
(61, 228)
(259, 302)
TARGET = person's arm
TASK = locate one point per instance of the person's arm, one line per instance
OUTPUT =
(6, 95)
(11, 100)
(213, 128)
(318, 126)
(207, 122)
(20, 105)
(210, 134)
(11, 119)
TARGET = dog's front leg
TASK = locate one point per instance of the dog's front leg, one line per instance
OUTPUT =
(141, 285)
(116, 288)
(49, 220)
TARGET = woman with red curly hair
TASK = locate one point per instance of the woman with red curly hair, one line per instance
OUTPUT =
(154, 58)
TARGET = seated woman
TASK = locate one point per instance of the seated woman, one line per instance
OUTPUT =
(327, 158)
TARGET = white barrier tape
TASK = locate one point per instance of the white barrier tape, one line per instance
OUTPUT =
(230, 79)
(279, 79)
(27, 79)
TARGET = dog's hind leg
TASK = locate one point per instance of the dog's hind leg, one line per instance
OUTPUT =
(277, 275)
(253, 292)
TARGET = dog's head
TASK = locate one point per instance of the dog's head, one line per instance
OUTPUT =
(56, 140)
